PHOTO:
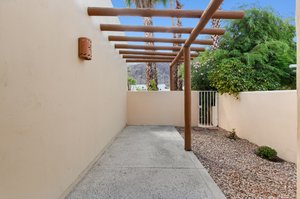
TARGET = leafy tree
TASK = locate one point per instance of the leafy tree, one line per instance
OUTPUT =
(254, 54)
(257, 26)
(231, 76)
(200, 68)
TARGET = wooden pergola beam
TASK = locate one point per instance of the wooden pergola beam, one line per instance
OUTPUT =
(160, 40)
(133, 52)
(158, 56)
(163, 29)
(147, 57)
(149, 60)
(99, 11)
(145, 47)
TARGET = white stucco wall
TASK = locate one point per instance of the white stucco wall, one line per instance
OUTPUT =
(159, 108)
(265, 118)
(57, 112)
(298, 87)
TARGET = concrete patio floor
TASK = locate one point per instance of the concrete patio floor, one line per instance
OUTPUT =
(147, 162)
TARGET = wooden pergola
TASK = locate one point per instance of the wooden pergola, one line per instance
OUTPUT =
(174, 54)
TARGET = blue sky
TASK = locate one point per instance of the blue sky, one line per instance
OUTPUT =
(285, 8)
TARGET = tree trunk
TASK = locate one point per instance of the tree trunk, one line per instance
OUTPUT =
(180, 85)
(216, 23)
(129, 87)
(172, 18)
(151, 73)
(172, 81)
(175, 82)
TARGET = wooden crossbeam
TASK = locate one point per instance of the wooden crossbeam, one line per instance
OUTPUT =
(160, 40)
(149, 60)
(133, 52)
(99, 11)
(158, 56)
(145, 47)
(163, 29)
(148, 57)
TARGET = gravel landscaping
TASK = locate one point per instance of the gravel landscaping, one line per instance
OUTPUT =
(238, 171)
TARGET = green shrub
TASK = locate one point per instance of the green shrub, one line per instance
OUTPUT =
(152, 85)
(266, 152)
(130, 81)
(232, 135)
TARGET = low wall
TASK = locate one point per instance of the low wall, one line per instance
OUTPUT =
(159, 108)
(265, 118)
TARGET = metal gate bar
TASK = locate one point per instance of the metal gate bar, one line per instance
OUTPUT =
(208, 109)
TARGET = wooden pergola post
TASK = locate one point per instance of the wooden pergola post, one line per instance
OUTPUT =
(185, 51)
(187, 100)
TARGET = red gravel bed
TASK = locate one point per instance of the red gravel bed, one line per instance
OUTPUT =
(238, 171)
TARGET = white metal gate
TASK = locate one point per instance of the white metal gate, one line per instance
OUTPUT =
(208, 109)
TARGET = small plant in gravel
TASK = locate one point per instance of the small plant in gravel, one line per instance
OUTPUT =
(232, 135)
(266, 152)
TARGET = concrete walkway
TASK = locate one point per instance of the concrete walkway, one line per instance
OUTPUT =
(147, 162)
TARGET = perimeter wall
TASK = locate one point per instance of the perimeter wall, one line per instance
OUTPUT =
(298, 87)
(264, 118)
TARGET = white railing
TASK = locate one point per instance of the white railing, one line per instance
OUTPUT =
(208, 108)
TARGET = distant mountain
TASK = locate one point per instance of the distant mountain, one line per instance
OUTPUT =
(138, 72)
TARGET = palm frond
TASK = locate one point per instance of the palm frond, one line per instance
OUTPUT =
(128, 3)
(164, 2)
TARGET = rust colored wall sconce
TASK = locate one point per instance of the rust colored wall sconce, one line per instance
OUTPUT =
(84, 48)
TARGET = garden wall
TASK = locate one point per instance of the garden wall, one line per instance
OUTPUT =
(265, 118)
(57, 112)
(298, 87)
(159, 108)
